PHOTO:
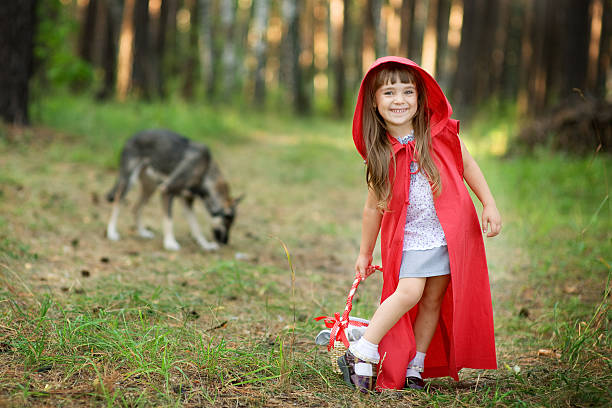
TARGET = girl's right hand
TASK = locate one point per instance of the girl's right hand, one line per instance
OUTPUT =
(363, 266)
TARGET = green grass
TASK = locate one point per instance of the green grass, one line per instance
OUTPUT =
(86, 322)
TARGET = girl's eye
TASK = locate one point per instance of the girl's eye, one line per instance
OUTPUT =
(388, 93)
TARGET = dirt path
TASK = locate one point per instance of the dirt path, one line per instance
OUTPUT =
(58, 212)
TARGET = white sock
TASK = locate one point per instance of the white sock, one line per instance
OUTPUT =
(366, 351)
(417, 361)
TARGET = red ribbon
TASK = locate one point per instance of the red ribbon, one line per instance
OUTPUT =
(338, 324)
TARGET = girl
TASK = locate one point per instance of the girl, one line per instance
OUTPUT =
(436, 297)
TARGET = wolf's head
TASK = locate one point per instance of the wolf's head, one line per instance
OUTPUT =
(222, 222)
(219, 204)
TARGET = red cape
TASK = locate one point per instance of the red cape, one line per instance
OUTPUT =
(464, 337)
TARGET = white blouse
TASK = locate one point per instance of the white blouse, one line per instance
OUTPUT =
(423, 229)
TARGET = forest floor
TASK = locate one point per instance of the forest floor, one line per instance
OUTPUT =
(89, 322)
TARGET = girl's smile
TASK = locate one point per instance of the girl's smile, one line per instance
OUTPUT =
(397, 104)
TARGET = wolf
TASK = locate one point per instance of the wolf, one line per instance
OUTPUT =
(179, 168)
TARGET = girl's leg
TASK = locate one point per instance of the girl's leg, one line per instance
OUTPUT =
(407, 294)
(425, 326)
(358, 363)
(429, 311)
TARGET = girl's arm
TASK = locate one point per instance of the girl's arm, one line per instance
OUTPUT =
(372, 218)
(491, 219)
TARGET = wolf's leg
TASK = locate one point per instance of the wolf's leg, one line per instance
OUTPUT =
(195, 227)
(111, 229)
(169, 241)
(128, 172)
(147, 189)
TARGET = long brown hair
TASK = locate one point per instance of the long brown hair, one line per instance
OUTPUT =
(378, 146)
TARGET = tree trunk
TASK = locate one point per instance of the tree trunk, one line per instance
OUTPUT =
(191, 63)
(486, 26)
(407, 18)
(87, 31)
(108, 47)
(126, 50)
(510, 75)
(498, 54)
(526, 58)
(417, 30)
(442, 41)
(157, 33)
(260, 24)
(338, 18)
(548, 57)
(228, 20)
(98, 39)
(172, 63)
(374, 42)
(141, 72)
(453, 39)
(465, 78)
(430, 39)
(577, 29)
(17, 28)
(207, 54)
(352, 47)
(605, 50)
(291, 39)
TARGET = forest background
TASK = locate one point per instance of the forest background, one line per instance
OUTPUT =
(270, 85)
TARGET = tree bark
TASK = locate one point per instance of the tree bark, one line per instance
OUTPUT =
(430, 39)
(510, 75)
(498, 54)
(465, 79)
(605, 50)
(141, 72)
(577, 29)
(191, 59)
(99, 35)
(260, 23)
(172, 61)
(339, 27)
(108, 47)
(526, 58)
(374, 42)
(417, 30)
(407, 18)
(18, 24)
(87, 31)
(291, 17)
(126, 50)
(157, 34)
(228, 20)
(442, 25)
(207, 54)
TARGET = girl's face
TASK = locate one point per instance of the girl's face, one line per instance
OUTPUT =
(397, 104)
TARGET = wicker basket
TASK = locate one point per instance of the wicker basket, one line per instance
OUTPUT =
(335, 353)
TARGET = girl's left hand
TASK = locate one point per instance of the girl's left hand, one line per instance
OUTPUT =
(491, 220)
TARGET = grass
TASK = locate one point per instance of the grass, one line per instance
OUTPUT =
(87, 322)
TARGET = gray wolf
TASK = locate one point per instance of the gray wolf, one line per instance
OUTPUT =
(179, 168)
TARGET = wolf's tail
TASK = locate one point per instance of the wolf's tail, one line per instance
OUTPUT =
(118, 190)
(110, 196)
(128, 175)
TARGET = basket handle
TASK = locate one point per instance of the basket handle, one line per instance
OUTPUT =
(339, 323)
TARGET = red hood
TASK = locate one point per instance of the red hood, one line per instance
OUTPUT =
(440, 109)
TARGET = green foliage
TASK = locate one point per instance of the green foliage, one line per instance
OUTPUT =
(53, 49)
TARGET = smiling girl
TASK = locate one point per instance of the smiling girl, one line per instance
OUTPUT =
(436, 297)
